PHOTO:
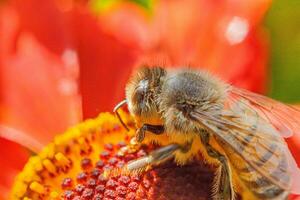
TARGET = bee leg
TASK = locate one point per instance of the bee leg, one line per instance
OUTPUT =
(156, 129)
(223, 182)
(223, 188)
(135, 142)
(145, 163)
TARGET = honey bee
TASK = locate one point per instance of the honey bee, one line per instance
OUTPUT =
(190, 112)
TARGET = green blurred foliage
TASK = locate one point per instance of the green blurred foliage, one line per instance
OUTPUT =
(102, 5)
(283, 23)
(144, 3)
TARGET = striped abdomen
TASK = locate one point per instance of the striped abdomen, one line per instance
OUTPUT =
(263, 186)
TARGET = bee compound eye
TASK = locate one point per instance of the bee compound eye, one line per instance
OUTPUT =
(141, 91)
(143, 85)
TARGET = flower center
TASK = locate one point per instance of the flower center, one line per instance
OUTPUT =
(71, 167)
(91, 184)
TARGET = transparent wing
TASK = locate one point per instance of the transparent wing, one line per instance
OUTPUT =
(285, 118)
(257, 141)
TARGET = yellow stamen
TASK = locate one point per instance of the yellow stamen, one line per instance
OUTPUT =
(92, 160)
(56, 167)
(62, 159)
(49, 166)
(22, 187)
(54, 195)
(36, 187)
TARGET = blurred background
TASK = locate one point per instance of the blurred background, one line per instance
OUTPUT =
(62, 61)
(283, 24)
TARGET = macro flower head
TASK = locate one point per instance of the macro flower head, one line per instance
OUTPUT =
(62, 62)
(72, 167)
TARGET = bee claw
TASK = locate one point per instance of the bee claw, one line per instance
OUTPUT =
(134, 142)
(132, 147)
(140, 135)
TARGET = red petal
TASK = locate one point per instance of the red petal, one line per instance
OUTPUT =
(13, 158)
(194, 32)
(105, 64)
(46, 22)
(38, 95)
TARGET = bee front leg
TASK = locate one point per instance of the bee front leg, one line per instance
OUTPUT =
(139, 137)
(223, 187)
(155, 129)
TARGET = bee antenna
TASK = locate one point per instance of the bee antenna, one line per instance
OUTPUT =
(116, 108)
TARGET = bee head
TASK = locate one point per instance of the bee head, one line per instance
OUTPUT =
(143, 89)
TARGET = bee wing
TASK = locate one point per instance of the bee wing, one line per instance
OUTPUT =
(254, 139)
(285, 118)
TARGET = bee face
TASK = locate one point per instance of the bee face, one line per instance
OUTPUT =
(142, 91)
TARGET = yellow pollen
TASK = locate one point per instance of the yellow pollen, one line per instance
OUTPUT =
(49, 166)
(54, 195)
(37, 163)
(22, 189)
(62, 159)
(84, 146)
(31, 175)
(55, 169)
(36, 187)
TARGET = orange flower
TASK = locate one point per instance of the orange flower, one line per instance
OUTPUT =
(59, 63)
(71, 167)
